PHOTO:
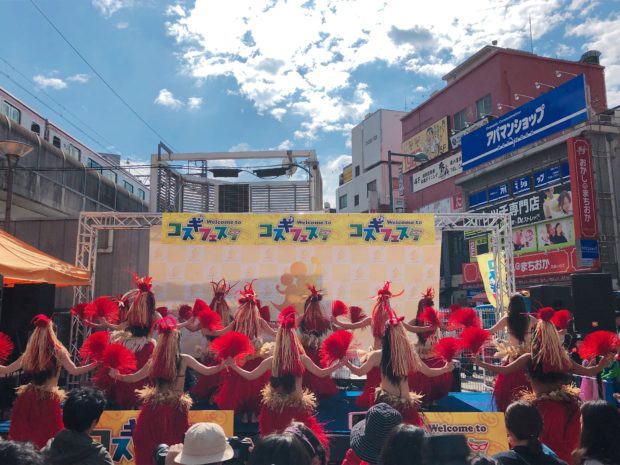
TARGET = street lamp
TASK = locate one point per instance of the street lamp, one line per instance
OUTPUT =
(420, 157)
(13, 150)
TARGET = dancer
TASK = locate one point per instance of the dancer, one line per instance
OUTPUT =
(36, 414)
(377, 321)
(284, 398)
(437, 387)
(163, 416)
(547, 365)
(221, 289)
(396, 360)
(314, 326)
(519, 325)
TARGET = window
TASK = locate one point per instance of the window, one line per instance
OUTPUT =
(371, 187)
(460, 119)
(111, 175)
(75, 152)
(93, 164)
(128, 186)
(141, 194)
(34, 127)
(12, 112)
(483, 106)
(56, 142)
(356, 200)
(342, 201)
(357, 171)
(395, 184)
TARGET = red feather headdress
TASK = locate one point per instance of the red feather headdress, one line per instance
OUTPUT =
(547, 350)
(472, 339)
(545, 314)
(429, 294)
(6, 348)
(464, 318)
(164, 358)
(561, 319)
(94, 346)
(447, 348)
(382, 311)
(143, 283)
(313, 319)
(163, 311)
(219, 304)
(339, 308)
(335, 347)
(247, 295)
(41, 321)
(233, 345)
(209, 320)
(288, 349)
(598, 344)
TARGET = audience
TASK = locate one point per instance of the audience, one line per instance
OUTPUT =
(403, 446)
(369, 435)
(19, 453)
(280, 449)
(73, 445)
(204, 444)
(600, 435)
(314, 447)
(525, 425)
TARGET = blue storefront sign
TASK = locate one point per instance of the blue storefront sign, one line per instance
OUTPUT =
(558, 109)
(589, 249)
(478, 199)
(565, 170)
(498, 192)
(521, 185)
(547, 177)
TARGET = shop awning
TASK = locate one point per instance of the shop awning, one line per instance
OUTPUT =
(21, 263)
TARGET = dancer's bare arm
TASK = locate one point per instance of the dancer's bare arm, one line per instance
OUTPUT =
(317, 370)
(593, 370)
(190, 362)
(267, 328)
(139, 375)
(371, 362)
(501, 324)
(72, 369)
(432, 372)
(256, 373)
(412, 328)
(13, 367)
(519, 364)
(344, 325)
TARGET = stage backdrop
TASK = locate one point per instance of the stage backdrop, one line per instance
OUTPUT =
(349, 256)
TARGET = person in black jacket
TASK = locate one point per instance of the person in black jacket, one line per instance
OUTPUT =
(73, 445)
(525, 426)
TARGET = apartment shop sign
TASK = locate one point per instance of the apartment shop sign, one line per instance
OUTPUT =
(558, 109)
(455, 140)
(437, 172)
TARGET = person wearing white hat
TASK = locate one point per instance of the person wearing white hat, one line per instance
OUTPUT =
(204, 444)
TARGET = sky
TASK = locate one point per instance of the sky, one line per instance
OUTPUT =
(218, 76)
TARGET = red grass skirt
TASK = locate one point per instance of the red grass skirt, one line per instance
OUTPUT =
(163, 418)
(206, 386)
(432, 388)
(408, 408)
(238, 394)
(322, 387)
(373, 380)
(278, 410)
(36, 414)
(561, 425)
(509, 387)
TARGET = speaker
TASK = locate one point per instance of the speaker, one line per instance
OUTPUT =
(558, 297)
(594, 302)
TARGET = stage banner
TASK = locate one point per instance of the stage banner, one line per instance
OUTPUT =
(348, 256)
(486, 264)
(485, 431)
(115, 429)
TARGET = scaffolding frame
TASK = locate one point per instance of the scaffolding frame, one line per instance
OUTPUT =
(90, 223)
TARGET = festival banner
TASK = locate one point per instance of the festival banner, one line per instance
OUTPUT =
(485, 431)
(486, 265)
(431, 141)
(297, 228)
(115, 429)
(580, 163)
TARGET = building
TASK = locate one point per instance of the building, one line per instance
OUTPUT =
(507, 134)
(364, 185)
(62, 176)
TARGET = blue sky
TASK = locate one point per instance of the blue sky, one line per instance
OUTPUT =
(265, 74)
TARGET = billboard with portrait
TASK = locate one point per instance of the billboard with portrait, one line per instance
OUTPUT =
(432, 141)
(555, 234)
(524, 240)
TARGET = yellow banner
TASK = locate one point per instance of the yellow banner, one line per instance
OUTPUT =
(486, 263)
(432, 141)
(115, 428)
(485, 431)
(298, 229)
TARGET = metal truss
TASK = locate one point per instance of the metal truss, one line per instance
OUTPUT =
(90, 223)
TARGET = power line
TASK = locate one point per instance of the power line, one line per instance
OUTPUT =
(100, 76)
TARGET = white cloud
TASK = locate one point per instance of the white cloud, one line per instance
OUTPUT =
(122, 25)
(298, 57)
(51, 82)
(240, 147)
(167, 99)
(565, 51)
(108, 7)
(330, 172)
(80, 78)
(194, 103)
(285, 145)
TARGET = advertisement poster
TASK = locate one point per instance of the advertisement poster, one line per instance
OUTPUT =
(524, 240)
(437, 172)
(478, 246)
(432, 141)
(488, 271)
(582, 179)
(555, 234)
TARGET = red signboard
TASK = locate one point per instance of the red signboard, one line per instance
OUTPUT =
(582, 182)
(553, 262)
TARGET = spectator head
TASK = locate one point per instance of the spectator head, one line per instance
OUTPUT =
(369, 435)
(524, 425)
(600, 431)
(19, 453)
(204, 443)
(280, 449)
(82, 409)
(403, 446)
(314, 447)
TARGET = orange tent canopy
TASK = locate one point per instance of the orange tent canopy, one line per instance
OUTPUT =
(21, 263)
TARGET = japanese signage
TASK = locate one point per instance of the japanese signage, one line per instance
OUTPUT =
(580, 161)
(478, 246)
(432, 141)
(558, 109)
(477, 199)
(547, 177)
(521, 185)
(437, 172)
(500, 192)
(489, 273)
(297, 228)
(553, 262)
(115, 430)
(455, 140)
(555, 234)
